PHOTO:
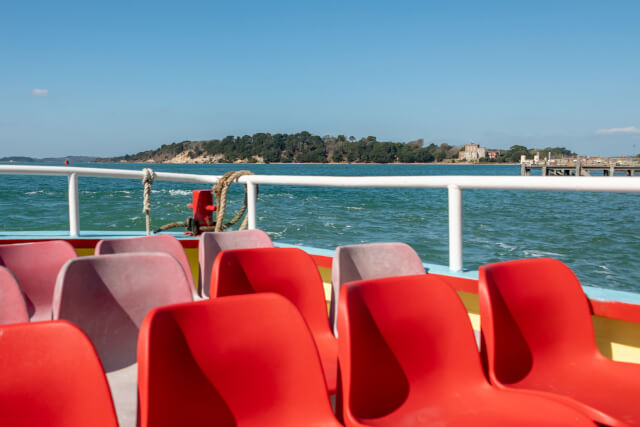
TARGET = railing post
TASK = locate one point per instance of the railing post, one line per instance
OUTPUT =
(74, 206)
(455, 228)
(251, 204)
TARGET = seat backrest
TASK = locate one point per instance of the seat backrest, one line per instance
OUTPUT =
(370, 261)
(36, 267)
(212, 243)
(532, 309)
(51, 376)
(403, 338)
(12, 306)
(290, 272)
(245, 360)
(159, 243)
(108, 297)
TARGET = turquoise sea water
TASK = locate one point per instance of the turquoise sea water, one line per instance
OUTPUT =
(596, 234)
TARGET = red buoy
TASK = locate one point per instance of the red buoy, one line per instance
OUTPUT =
(66, 162)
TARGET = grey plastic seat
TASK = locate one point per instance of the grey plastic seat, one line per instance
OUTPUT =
(12, 306)
(161, 243)
(108, 296)
(211, 244)
(370, 261)
(35, 266)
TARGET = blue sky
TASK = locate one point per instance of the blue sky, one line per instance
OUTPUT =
(122, 77)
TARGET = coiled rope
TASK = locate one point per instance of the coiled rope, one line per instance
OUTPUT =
(147, 182)
(220, 192)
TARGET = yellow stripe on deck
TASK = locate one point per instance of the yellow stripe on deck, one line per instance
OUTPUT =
(192, 255)
(617, 339)
(325, 273)
(470, 302)
(85, 251)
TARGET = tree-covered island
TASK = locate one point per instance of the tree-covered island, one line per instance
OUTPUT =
(303, 147)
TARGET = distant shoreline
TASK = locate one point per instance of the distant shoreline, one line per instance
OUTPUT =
(72, 161)
(327, 163)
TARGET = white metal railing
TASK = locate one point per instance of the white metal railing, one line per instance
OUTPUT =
(454, 183)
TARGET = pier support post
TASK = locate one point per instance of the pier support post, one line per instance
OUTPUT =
(74, 206)
(251, 205)
(455, 228)
(578, 167)
(612, 170)
(544, 170)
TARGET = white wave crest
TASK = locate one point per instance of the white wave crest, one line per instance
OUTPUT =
(173, 192)
(538, 254)
(505, 246)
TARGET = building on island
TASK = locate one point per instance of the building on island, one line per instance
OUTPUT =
(472, 153)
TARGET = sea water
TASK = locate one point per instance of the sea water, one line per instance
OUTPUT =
(596, 234)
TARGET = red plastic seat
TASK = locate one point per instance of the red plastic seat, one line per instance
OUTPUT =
(408, 357)
(290, 272)
(12, 306)
(211, 244)
(164, 243)
(370, 261)
(538, 332)
(51, 376)
(244, 361)
(36, 267)
(108, 296)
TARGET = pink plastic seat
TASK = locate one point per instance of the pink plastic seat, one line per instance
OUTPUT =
(243, 361)
(538, 332)
(164, 243)
(370, 261)
(290, 272)
(12, 306)
(36, 266)
(51, 376)
(211, 244)
(108, 296)
(408, 357)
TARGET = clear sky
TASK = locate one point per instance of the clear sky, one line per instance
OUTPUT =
(111, 78)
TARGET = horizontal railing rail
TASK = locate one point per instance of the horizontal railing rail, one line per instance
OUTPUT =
(455, 184)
